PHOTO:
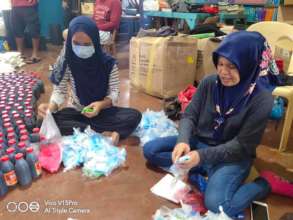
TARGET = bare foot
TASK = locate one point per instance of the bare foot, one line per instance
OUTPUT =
(115, 137)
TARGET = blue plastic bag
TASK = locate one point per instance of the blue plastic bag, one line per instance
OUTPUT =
(278, 109)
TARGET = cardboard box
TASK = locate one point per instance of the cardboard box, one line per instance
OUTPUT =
(205, 65)
(162, 66)
(284, 50)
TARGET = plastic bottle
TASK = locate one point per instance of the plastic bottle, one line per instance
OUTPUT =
(21, 148)
(11, 154)
(2, 150)
(25, 139)
(35, 136)
(8, 172)
(19, 122)
(29, 121)
(12, 143)
(11, 136)
(21, 127)
(22, 170)
(34, 164)
(2, 143)
(3, 186)
(23, 132)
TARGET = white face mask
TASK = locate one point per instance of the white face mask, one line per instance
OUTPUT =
(83, 52)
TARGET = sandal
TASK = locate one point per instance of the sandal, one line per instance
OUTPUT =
(33, 60)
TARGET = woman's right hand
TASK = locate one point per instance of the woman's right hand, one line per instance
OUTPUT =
(42, 109)
(180, 150)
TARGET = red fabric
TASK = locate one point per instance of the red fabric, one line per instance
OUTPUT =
(278, 184)
(193, 198)
(185, 96)
(107, 14)
(21, 3)
(280, 64)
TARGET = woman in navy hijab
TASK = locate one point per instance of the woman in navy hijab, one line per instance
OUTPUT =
(223, 125)
(88, 80)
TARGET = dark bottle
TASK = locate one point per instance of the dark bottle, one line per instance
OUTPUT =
(21, 148)
(34, 164)
(25, 139)
(3, 186)
(11, 154)
(35, 136)
(12, 143)
(22, 170)
(8, 172)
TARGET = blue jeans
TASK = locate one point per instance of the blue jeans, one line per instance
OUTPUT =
(225, 180)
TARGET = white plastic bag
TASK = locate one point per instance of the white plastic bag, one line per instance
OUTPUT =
(49, 128)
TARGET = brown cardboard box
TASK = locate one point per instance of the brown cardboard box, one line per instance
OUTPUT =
(162, 66)
(205, 65)
(284, 50)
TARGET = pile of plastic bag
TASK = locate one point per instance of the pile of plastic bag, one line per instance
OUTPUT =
(186, 213)
(92, 151)
(11, 61)
(153, 125)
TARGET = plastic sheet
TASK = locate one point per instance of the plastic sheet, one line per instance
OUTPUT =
(186, 213)
(92, 151)
(153, 125)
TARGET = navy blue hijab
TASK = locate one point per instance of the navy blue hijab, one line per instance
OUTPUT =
(91, 75)
(245, 50)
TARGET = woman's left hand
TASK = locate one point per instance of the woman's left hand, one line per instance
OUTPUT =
(192, 162)
(96, 108)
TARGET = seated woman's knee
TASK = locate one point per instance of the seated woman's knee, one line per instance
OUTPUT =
(148, 150)
(213, 201)
(136, 117)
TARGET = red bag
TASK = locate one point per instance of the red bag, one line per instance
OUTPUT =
(50, 157)
(185, 96)
(194, 198)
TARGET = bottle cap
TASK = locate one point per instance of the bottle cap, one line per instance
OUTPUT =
(36, 130)
(10, 150)
(10, 129)
(23, 132)
(21, 127)
(21, 144)
(4, 158)
(18, 156)
(24, 138)
(11, 142)
(7, 125)
(29, 150)
(10, 136)
(19, 122)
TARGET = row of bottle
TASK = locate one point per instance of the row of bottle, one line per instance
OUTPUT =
(23, 172)
(21, 82)
(10, 137)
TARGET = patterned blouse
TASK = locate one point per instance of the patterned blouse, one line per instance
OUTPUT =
(66, 90)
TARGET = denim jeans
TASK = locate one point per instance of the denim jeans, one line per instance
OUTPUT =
(225, 180)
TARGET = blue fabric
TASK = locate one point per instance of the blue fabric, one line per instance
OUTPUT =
(91, 75)
(244, 49)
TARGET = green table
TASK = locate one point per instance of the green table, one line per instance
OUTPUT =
(190, 18)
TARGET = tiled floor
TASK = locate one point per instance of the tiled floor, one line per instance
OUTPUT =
(125, 194)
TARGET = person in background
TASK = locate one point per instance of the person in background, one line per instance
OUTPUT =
(223, 125)
(107, 15)
(24, 15)
(87, 78)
